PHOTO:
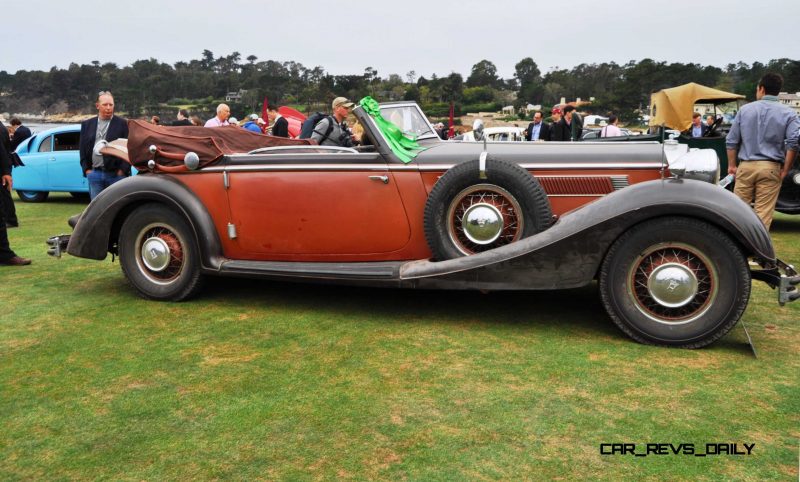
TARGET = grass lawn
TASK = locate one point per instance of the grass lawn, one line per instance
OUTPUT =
(263, 380)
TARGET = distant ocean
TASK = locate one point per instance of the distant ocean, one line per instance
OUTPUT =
(40, 126)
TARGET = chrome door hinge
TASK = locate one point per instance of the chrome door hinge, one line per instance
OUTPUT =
(231, 231)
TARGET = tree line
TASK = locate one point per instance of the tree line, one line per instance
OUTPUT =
(147, 86)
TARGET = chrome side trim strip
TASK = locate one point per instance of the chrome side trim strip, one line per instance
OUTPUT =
(424, 168)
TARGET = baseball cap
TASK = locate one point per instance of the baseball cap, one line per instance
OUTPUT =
(260, 121)
(342, 101)
(253, 117)
(555, 110)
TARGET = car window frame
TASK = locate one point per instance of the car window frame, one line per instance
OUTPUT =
(49, 142)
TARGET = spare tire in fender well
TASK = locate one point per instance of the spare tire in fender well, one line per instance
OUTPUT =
(466, 214)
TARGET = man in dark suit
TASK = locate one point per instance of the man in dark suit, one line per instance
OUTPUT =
(698, 128)
(183, 118)
(538, 130)
(570, 127)
(280, 126)
(20, 133)
(7, 256)
(102, 171)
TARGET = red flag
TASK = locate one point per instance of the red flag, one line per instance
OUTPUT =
(264, 110)
(451, 132)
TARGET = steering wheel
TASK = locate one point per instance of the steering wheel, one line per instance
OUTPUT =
(713, 127)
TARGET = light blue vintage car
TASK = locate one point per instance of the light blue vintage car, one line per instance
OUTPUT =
(52, 163)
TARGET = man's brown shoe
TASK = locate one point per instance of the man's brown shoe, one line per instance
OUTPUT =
(16, 261)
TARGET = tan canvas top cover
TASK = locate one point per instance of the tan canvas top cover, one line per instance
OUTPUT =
(674, 107)
(209, 143)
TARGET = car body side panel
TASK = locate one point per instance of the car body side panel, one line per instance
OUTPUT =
(311, 213)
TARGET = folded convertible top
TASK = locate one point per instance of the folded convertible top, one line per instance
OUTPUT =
(210, 144)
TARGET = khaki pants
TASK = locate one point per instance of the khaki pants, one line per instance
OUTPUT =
(759, 183)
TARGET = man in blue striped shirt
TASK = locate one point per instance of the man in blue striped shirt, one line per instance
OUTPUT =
(763, 138)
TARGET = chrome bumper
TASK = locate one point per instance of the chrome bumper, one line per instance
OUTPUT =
(56, 245)
(783, 277)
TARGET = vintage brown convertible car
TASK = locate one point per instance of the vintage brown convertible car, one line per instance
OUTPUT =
(668, 247)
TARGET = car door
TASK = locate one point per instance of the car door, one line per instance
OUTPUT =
(33, 175)
(64, 166)
(314, 207)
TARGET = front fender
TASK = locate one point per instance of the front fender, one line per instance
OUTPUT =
(92, 237)
(569, 254)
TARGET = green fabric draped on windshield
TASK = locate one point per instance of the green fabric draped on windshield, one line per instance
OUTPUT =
(403, 147)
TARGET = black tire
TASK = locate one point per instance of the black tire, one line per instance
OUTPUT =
(167, 278)
(508, 189)
(789, 195)
(32, 196)
(675, 282)
(80, 196)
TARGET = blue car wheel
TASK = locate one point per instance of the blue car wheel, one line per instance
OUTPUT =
(32, 196)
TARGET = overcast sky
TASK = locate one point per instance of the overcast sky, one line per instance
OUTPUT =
(346, 36)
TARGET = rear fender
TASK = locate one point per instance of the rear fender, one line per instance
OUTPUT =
(96, 232)
(569, 254)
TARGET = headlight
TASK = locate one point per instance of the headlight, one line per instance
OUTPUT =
(699, 164)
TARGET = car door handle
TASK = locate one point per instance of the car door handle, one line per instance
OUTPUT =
(52, 159)
(383, 179)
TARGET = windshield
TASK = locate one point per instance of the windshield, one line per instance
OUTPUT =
(409, 119)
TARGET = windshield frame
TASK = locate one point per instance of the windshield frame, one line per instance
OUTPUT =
(430, 132)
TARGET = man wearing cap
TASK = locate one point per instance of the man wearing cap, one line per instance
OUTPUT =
(252, 124)
(332, 130)
(763, 138)
(556, 127)
(280, 126)
(570, 127)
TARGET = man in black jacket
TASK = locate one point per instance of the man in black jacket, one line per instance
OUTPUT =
(20, 133)
(183, 119)
(538, 130)
(7, 256)
(102, 171)
(570, 127)
(280, 126)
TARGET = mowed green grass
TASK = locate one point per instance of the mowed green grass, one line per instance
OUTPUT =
(257, 380)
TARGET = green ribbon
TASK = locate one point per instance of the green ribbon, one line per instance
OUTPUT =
(403, 147)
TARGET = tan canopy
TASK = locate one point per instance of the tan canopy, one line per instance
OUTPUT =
(674, 107)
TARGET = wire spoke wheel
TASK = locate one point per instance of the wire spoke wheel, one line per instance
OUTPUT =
(672, 283)
(470, 210)
(161, 255)
(675, 281)
(484, 217)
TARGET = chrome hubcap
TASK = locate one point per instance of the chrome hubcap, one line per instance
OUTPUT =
(155, 254)
(483, 223)
(672, 285)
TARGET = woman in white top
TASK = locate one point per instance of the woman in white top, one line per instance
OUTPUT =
(611, 130)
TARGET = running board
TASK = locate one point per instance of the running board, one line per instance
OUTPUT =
(379, 271)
